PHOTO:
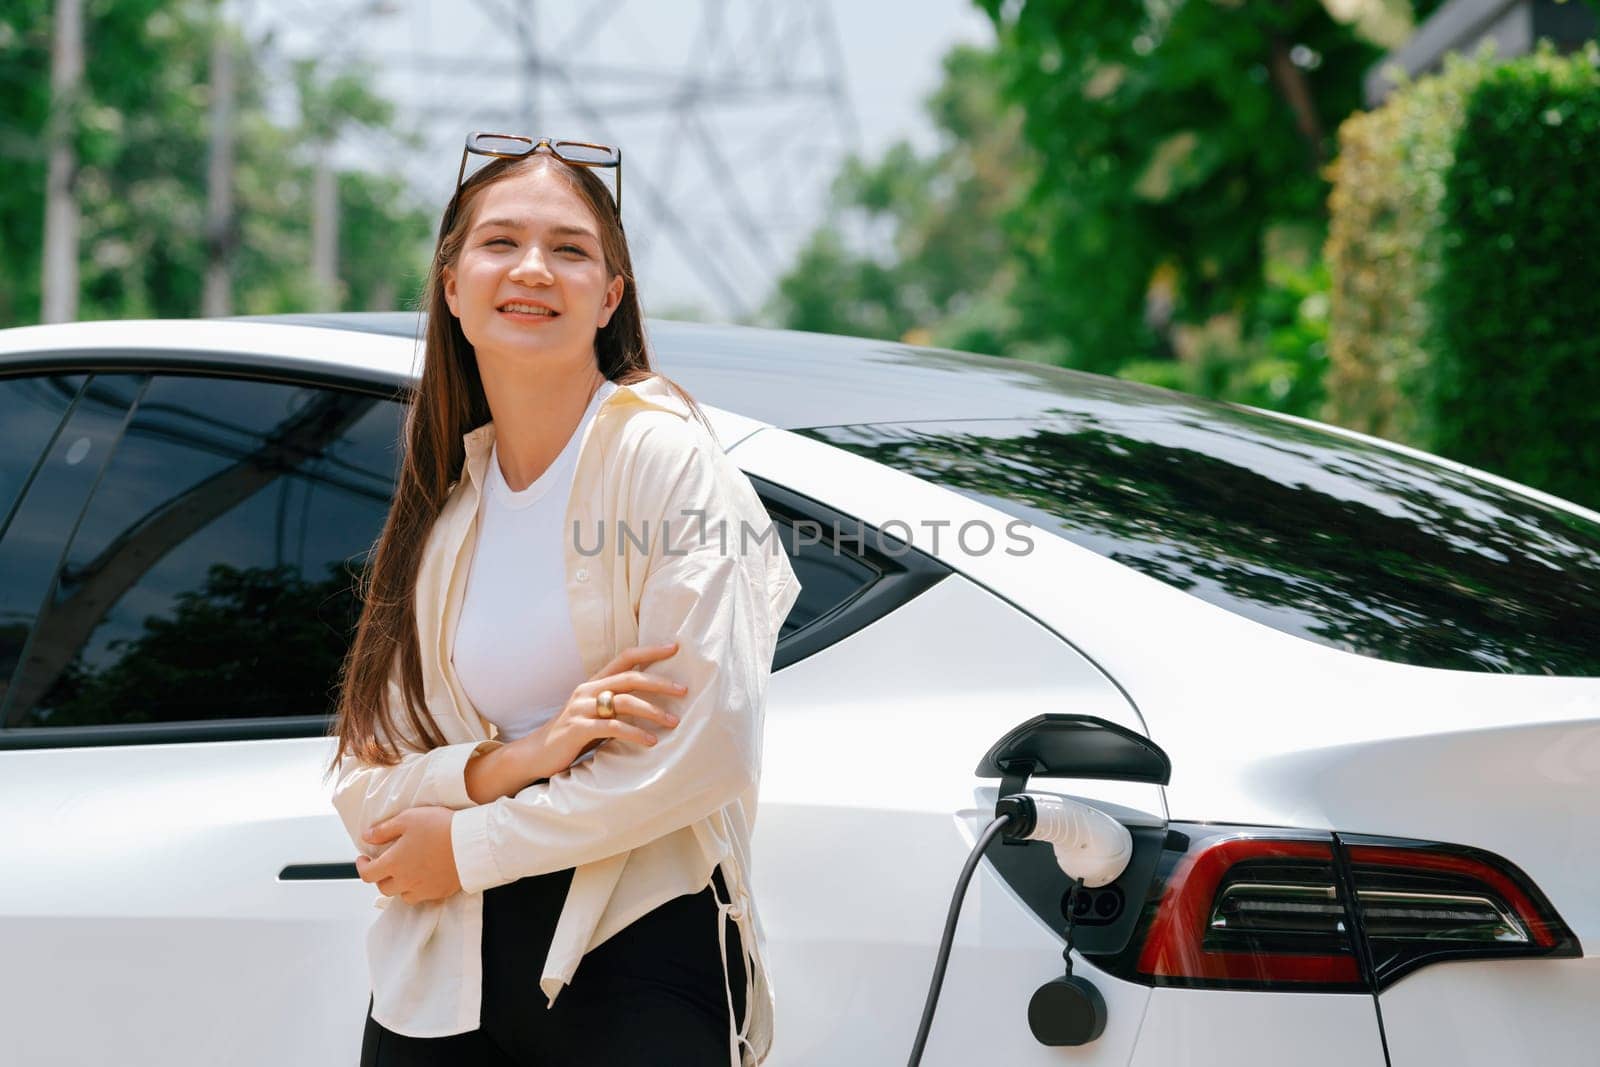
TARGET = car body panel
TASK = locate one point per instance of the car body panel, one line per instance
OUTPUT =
(1204, 1026)
(854, 880)
(814, 380)
(1267, 729)
(1495, 1012)
(149, 874)
(337, 355)
(142, 895)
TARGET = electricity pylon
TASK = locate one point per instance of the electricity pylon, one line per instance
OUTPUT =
(732, 116)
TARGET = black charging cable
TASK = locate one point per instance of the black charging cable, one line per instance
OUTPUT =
(950, 935)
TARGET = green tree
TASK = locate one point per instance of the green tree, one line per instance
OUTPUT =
(1466, 288)
(141, 132)
(24, 108)
(1172, 138)
(1125, 186)
(916, 247)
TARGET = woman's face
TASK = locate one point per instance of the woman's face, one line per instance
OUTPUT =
(530, 280)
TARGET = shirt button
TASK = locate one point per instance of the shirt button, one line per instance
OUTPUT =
(582, 575)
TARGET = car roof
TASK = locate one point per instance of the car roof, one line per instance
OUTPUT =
(785, 378)
(789, 379)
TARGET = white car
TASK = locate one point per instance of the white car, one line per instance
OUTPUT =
(1376, 675)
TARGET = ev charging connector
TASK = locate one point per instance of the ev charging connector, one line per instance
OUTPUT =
(1092, 849)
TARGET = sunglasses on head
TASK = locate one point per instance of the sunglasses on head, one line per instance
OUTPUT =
(514, 146)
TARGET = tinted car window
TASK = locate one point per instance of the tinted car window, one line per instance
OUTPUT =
(1330, 539)
(829, 574)
(210, 575)
(44, 516)
(851, 574)
(30, 410)
(186, 550)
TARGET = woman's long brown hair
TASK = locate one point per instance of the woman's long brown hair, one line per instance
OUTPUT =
(447, 403)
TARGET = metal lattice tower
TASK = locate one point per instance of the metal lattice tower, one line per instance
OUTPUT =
(732, 116)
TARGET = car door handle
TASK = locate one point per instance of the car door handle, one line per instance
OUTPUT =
(303, 872)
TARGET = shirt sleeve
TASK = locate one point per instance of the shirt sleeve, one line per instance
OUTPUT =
(714, 595)
(365, 793)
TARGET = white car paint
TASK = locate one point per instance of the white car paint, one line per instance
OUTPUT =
(1495, 1011)
(855, 879)
(1268, 729)
(142, 886)
(1315, 737)
(311, 347)
(315, 347)
(142, 917)
(1195, 1027)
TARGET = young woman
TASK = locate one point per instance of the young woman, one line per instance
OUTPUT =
(549, 727)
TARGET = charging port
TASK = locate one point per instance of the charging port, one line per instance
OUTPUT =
(1095, 907)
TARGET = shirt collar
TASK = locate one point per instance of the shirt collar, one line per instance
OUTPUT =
(651, 392)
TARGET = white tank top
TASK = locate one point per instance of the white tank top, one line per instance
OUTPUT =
(514, 651)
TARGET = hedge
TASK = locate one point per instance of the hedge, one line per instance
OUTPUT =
(1464, 256)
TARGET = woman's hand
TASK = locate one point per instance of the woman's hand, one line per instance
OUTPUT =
(420, 865)
(553, 747)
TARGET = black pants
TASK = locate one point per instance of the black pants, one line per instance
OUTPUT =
(651, 994)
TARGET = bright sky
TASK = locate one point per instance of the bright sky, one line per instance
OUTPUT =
(719, 187)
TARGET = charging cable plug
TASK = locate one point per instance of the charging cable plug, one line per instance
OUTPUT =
(1090, 845)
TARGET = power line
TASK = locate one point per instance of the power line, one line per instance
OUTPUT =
(707, 117)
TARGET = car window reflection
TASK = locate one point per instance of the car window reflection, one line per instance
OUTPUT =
(1333, 540)
(211, 575)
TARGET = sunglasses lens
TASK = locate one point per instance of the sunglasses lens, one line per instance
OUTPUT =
(493, 143)
(585, 153)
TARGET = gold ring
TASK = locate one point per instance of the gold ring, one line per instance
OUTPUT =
(604, 709)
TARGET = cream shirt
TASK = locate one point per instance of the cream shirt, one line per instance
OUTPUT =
(686, 552)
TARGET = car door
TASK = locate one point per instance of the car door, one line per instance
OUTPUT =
(176, 589)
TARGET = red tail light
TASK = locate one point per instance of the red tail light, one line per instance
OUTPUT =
(1250, 908)
(1422, 903)
(1252, 911)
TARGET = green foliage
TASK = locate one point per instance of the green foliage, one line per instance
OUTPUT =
(916, 246)
(1465, 283)
(1384, 249)
(384, 242)
(1276, 359)
(1125, 187)
(1170, 136)
(328, 105)
(141, 180)
(141, 128)
(24, 113)
(1515, 385)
